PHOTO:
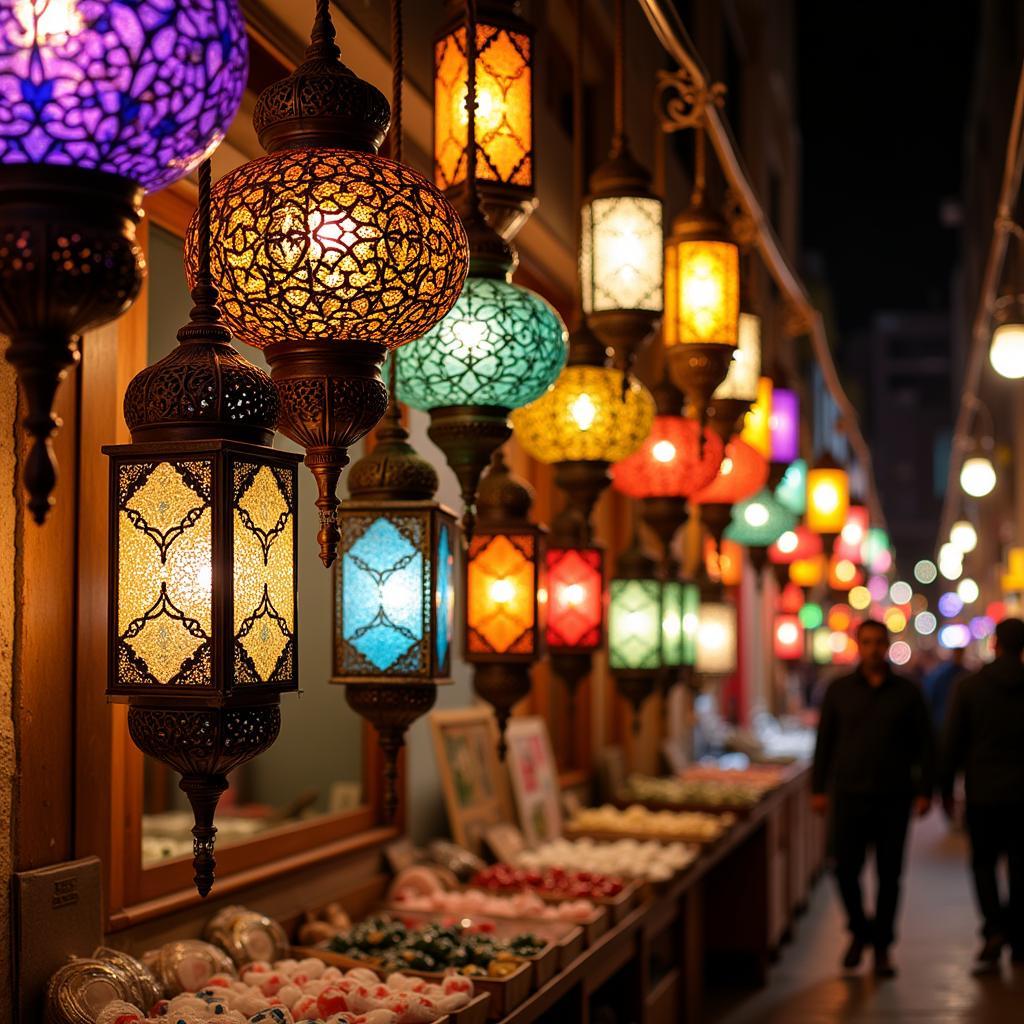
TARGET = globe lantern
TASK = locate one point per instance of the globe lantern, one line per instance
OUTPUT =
(828, 497)
(788, 638)
(743, 473)
(102, 101)
(504, 634)
(738, 391)
(621, 238)
(977, 474)
(1006, 351)
(503, 121)
(203, 562)
(394, 596)
(758, 522)
(635, 626)
(327, 255)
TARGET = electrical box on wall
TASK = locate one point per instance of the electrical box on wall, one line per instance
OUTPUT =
(57, 915)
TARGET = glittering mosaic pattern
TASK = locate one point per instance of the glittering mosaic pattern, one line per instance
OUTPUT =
(500, 345)
(141, 89)
(332, 246)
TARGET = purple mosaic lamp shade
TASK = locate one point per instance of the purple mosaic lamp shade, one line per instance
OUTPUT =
(144, 90)
(99, 101)
(784, 425)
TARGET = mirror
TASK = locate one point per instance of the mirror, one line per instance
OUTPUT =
(315, 767)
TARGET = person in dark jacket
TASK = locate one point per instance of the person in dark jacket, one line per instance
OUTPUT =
(939, 685)
(984, 738)
(873, 762)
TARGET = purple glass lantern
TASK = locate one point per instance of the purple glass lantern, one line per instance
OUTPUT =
(784, 424)
(99, 101)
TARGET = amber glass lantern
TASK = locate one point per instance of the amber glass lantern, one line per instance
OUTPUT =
(792, 546)
(203, 563)
(808, 572)
(828, 497)
(716, 639)
(328, 255)
(394, 597)
(635, 627)
(504, 114)
(504, 634)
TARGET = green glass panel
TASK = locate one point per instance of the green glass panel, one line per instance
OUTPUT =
(501, 345)
(691, 620)
(759, 521)
(634, 624)
(672, 623)
(792, 490)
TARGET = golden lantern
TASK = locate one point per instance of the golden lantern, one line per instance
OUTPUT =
(621, 236)
(327, 255)
(702, 296)
(717, 641)
(203, 561)
(504, 635)
(828, 497)
(504, 113)
(757, 429)
(808, 572)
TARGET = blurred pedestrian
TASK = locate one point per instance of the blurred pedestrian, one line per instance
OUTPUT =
(938, 687)
(984, 738)
(873, 763)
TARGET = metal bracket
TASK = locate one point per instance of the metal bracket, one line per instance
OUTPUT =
(682, 102)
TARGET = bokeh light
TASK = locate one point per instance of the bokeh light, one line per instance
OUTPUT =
(899, 652)
(895, 621)
(950, 604)
(925, 571)
(982, 626)
(860, 598)
(878, 587)
(925, 623)
(956, 634)
(967, 590)
(811, 615)
(901, 592)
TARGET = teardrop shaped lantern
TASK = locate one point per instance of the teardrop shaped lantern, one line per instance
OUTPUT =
(327, 255)
(102, 100)
(757, 523)
(203, 562)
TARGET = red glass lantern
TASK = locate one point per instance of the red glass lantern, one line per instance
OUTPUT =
(789, 638)
(799, 545)
(791, 600)
(743, 473)
(853, 534)
(575, 600)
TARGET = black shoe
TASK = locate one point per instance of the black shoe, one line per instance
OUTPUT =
(854, 952)
(987, 960)
(884, 967)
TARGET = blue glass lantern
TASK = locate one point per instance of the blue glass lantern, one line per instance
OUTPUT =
(99, 100)
(394, 601)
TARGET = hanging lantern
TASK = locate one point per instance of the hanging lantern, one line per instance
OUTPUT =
(977, 474)
(583, 424)
(328, 255)
(102, 100)
(669, 466)
(811, 614)
(852, 539)
(1006, 352)
(808, 572)
(716, 639)
(963, 536)
(503, 123)
(680, 603)
(1012, 581)
(734, 396)
(621, 239)
(843, 574)
(394, 597)
(792, 489)
(635, 627)
(789, 638)
(784, 426)
(203, 563)
(758, 522)
(828, 497)
(794, 545)
(723, 561)
(742, 474)
(504, 636)
(791, 600)
(702, 290)
(874, 552)
(757, 423)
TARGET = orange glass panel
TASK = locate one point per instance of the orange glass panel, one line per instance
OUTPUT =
(702, 292)
(501, 614)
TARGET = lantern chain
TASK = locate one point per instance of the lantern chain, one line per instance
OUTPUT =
(397, 76)
(619, 113)
(471, 187)
(321, 44)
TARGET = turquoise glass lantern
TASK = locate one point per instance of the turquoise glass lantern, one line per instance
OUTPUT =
(759, 521)
(792, 489)
(394, 598)
(501, 347)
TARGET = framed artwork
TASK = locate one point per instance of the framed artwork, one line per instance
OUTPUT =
(474, 782)
(534, 774)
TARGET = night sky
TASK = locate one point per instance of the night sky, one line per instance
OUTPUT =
(883, 91)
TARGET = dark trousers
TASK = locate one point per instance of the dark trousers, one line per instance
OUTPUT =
(997, 830)
(859, 823)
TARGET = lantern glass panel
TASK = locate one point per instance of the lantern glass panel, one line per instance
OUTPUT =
(264, 572)
(759, 521)
(792, 489)
(716, 638)
(634, 624)
(742, 473)
(165, 573)
(501, 594)
(757, 423)
(503, 121)
(575, 598)
(745, 369)
(672, 612)
(828, 498)
(444, 593)
(808, 572)
(789, 638)
(691, 622)
(784, 425)
(702, 292)
(621, 254)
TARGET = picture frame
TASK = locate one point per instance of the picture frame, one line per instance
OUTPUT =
(534, 775)
(475, 784)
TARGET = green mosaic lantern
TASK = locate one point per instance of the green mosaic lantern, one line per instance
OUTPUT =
(757, 523)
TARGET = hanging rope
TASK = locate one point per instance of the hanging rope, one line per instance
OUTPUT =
(620, 85)
(397, 77)
(205, 178)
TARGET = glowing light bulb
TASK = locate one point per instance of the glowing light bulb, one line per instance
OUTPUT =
(472, 335)
(963, 536)
(583, 411)
(1007, 351)
(788, 542)
(502, 591)
(853, 534)
(968, 590)
(664, 451)
(977, 476)
(726, 468)
(788, 633)
(826, 497)
(845, 570)
(671, 625)
(574, 594)
(46, 22)
(925, 571)
(756, 514)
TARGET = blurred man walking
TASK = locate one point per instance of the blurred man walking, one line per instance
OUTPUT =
(984, 738)
(873, 763)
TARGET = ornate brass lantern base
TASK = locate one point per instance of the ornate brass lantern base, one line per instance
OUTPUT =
(725, 416)
(697, 368)
(503, 685)
(636, 687)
